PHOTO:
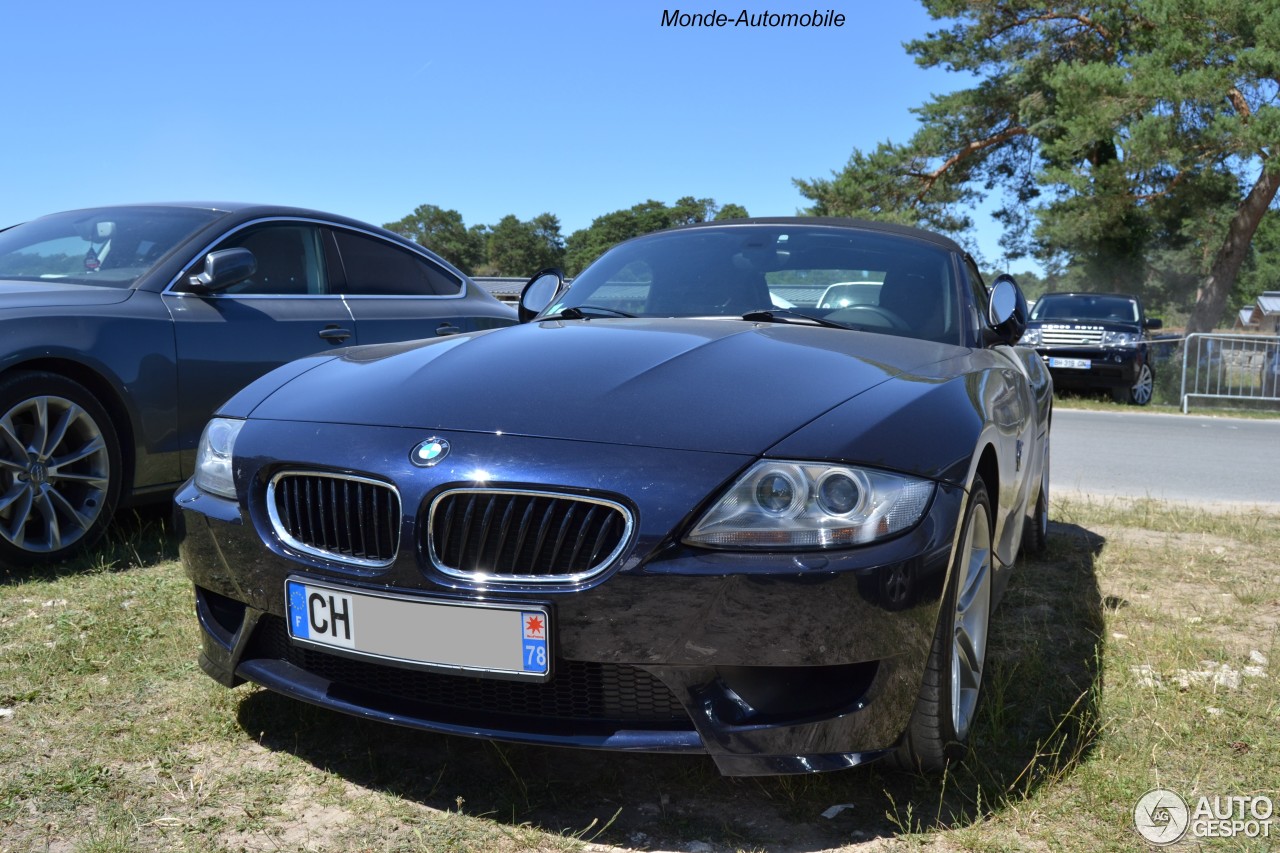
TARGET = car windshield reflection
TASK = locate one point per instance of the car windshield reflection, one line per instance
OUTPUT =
(1086, 306)
(112, 247)
(874, 282)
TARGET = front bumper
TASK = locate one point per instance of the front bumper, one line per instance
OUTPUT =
(769, 663)
(1109, 367)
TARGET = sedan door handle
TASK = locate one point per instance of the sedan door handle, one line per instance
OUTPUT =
(447, 328)
(335, 335)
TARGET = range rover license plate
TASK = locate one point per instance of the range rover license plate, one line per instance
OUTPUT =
(1071, 363)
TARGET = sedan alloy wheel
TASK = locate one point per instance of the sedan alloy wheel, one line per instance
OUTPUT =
(58, 453)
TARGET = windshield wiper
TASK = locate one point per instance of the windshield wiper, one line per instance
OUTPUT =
(780, 315)
(579, 312)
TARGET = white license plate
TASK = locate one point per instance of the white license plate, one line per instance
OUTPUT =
(1071, 363)
(511, 642)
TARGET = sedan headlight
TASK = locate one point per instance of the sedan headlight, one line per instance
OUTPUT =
(213, 459)
(1120, 339)
(806, 505)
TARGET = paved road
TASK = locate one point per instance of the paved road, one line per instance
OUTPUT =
(1169, 457)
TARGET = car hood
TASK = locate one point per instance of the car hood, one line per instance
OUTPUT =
(48, 294)
(714, 385)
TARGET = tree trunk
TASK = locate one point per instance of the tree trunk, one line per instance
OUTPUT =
(1212, 298)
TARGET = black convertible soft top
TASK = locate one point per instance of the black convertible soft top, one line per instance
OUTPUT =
(836, 222)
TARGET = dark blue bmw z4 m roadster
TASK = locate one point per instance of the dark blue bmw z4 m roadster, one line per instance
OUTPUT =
(681, 507)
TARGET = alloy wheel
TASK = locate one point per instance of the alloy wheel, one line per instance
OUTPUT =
(1143, 387)
(972, 617)
(55, 471)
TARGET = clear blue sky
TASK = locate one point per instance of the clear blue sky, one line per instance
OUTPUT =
(490, 108)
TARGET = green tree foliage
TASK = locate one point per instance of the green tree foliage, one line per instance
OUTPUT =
(883, 185)
(546, 228)
(690, 210)
(585, 245)
(731, 211)
(1131, 140)
(443, 232)
(522, 248)
(517, 248)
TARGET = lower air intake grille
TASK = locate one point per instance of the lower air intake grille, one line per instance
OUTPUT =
(579, 691)
(339, 517)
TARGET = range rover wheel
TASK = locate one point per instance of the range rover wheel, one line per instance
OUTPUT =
(1140, 393)
(59, 468)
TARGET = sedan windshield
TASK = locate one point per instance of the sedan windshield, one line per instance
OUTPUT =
(857, 279)
(104, 246)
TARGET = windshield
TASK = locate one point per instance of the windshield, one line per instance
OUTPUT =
(1086, 306)
(105, 246)
(860, 279)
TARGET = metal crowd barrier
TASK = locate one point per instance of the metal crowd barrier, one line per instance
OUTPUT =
(1230, 367)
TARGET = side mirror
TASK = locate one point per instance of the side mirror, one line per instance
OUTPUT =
(539, 292)
(222, 269)
(1153, 323)
(1007, 312)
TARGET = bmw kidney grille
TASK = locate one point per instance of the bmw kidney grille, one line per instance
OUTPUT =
(516, 535)
(345, 518)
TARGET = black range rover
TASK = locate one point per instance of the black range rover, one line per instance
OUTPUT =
(1095, 341)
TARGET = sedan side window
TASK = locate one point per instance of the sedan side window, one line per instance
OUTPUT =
(377, 268)
(290, 261)
(978, 290)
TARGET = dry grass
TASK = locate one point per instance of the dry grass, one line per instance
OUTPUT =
(112, 740)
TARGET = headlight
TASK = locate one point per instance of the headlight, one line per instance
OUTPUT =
(1120, 339)
(1030, 338)
(806, 505)
(213, 459)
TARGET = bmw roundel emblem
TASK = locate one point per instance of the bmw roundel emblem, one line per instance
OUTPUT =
(429, 452)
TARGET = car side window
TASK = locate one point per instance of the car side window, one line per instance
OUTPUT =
(377, 268)
(978, 291)
(289, 256)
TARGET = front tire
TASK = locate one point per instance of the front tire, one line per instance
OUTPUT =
(59, 468)
(1035, 532)
(1143, 388)
(948, 700)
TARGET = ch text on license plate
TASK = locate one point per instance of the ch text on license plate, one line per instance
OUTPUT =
(500, 641)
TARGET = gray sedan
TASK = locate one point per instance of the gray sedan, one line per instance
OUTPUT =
(123, 328)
